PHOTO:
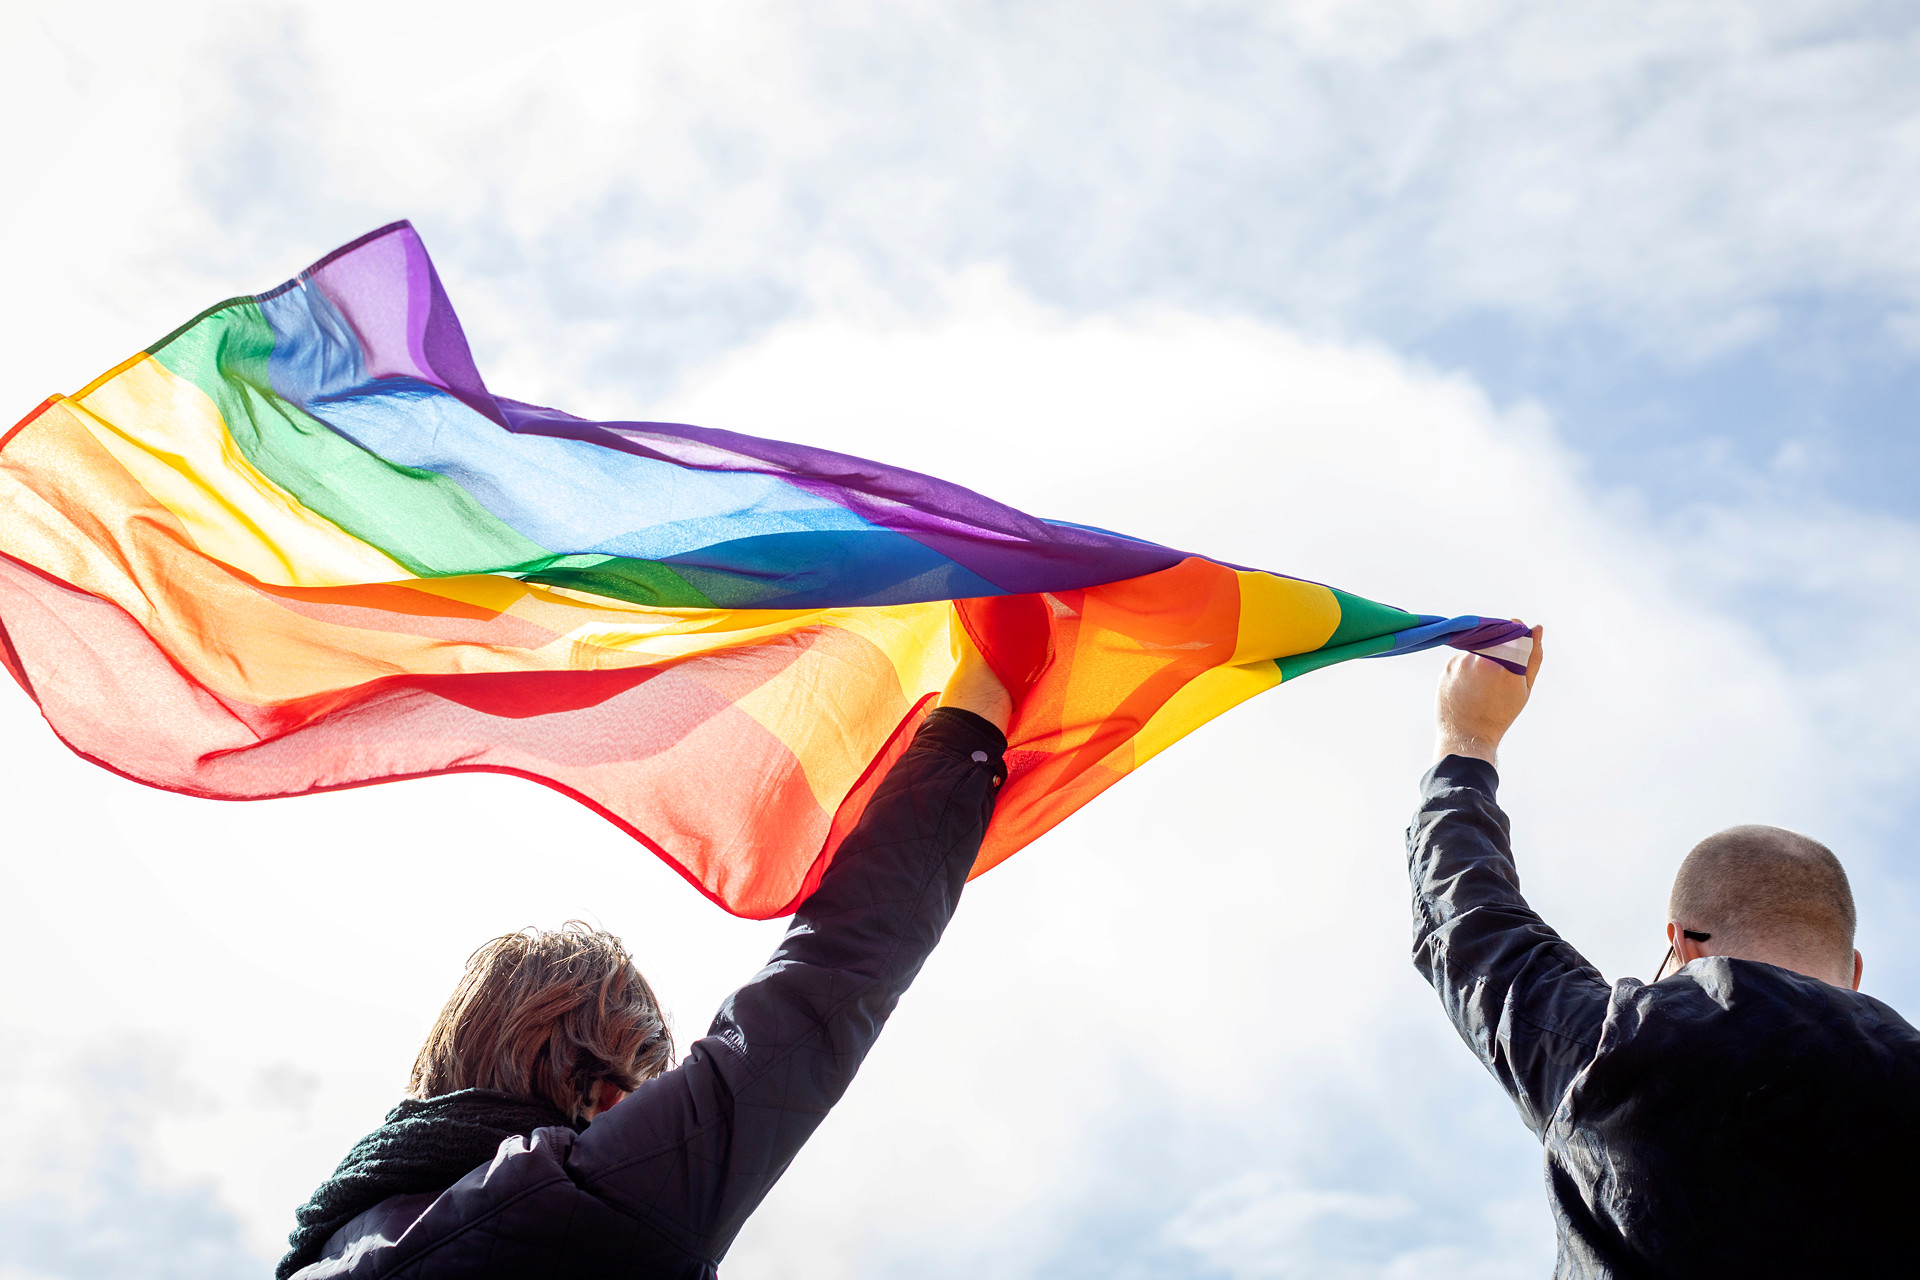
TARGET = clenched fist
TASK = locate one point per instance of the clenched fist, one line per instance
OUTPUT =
(1478, 702)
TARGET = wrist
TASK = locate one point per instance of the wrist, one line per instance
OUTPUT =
(978, 690)
(996, 711)
(1454, 742)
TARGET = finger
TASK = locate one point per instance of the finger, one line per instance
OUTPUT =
(1539, 653)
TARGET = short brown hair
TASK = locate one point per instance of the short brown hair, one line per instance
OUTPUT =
(547, 1014)
(1750, 883)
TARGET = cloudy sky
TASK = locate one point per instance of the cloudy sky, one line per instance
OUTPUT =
(1606, 316)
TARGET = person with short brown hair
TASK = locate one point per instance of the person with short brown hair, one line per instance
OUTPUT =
(547, 1131)
(1753, 1114)
(562, 1015)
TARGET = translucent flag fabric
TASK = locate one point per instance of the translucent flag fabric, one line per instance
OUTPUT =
(298, 545)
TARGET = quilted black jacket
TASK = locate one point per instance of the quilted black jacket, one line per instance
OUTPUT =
(659, 1185)
(1735, 1119)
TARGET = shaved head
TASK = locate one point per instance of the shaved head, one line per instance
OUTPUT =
(1765, 892)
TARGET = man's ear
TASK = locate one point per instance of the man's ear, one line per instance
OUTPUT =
(1685, 949)
(1859, 964)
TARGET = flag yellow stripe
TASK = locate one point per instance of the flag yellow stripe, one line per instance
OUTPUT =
(169, 436)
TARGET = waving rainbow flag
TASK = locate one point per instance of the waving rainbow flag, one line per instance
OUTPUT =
(298, 545)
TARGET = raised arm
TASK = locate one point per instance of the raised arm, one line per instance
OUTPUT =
(1524, 1000)
(691, 1153)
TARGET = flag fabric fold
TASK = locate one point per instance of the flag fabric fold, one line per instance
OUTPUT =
(298, 545)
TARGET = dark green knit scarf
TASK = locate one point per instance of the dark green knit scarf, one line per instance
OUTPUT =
(425, 1145)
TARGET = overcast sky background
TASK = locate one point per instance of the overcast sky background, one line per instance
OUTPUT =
(1607, 316)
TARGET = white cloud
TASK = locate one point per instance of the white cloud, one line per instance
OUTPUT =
(1255, 1228)
(83, 1194)
(645, 188)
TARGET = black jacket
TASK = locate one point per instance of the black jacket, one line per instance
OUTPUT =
(1735, 1119)
(659, 1185)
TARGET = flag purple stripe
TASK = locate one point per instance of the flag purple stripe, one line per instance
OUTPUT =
(1012, 550)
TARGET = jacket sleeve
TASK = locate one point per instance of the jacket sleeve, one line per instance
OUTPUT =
(1523, 999)
(692, 1152)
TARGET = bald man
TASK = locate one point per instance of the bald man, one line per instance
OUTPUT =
(1750, 1115)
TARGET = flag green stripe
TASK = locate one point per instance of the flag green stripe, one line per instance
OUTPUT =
(1362, 619)
(425, 521)
(1325, 656)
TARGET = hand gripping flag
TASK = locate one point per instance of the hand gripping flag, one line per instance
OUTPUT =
(298, 545)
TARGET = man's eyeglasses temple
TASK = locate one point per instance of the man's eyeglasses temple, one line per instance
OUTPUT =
(1691, 934)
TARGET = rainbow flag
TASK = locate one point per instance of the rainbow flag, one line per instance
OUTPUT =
(298, 545)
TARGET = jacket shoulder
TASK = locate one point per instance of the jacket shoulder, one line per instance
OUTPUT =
(520, 1215)
(1740, 1119)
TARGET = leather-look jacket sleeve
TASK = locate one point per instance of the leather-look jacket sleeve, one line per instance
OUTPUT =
(693, 1151)
(1526, 1002)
